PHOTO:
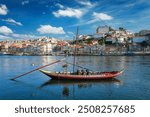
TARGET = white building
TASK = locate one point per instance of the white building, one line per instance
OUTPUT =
(121, 36)
(45, 48)
(102, 30)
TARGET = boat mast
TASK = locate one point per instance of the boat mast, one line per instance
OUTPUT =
(74, 62)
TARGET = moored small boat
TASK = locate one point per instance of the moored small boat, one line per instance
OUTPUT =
(74, 76)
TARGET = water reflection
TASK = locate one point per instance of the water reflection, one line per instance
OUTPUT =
(69, 87)
(65, 91)
(102, 63)
(81, 82)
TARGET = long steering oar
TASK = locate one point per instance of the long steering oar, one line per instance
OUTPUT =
(36, 69)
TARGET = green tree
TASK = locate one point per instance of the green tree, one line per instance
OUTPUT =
(122, 29)
(102, 40)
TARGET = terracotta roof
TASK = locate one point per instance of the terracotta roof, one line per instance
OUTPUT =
(16, 45)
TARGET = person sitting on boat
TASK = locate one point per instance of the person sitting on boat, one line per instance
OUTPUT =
(79, 72)
(82, 72)
(87, 72)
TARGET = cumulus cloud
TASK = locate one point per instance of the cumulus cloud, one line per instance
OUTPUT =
(69, 12)
(3, 9)
(7, 33)
(25, 2)
(102, 16)
(5, 30)
(48, 29)
(12, 21)
(74, 12)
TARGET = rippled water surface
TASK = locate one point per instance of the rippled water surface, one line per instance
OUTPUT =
(134, 83)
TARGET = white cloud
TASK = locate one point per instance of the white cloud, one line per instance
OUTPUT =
(19, 36)
(69, 12)
(60, 5)
(131, 4)
(86, 3)
(12, 21)
(24, 36)
(25, 2)
(3, 9)
(5, 30)
(102, 16)
(96, 17)
(7, 33)
(48, 29)
(4, 37)
(74, 12)
(70, 33)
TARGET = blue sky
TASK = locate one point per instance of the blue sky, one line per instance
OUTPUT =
(29, 19)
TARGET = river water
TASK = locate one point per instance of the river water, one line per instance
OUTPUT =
(133, 84)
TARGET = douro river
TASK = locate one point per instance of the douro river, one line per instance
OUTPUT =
(133, 84)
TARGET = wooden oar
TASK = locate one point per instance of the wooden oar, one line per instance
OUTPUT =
(36, 69)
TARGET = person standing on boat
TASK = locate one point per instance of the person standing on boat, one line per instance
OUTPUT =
(65, 66)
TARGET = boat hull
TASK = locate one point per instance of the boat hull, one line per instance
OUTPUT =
(62, 76)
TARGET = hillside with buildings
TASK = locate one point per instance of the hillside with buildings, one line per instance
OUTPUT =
(106, 41)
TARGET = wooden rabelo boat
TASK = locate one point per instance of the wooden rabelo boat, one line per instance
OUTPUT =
(74, 76)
